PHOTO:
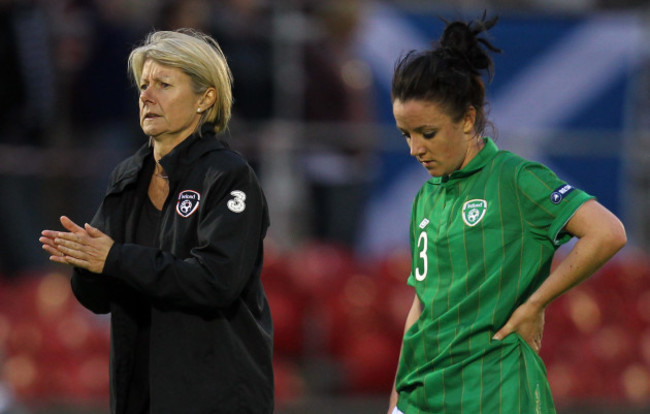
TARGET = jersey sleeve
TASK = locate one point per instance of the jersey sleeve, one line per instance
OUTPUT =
(548, 202)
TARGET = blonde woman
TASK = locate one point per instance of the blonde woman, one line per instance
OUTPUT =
(174, 252)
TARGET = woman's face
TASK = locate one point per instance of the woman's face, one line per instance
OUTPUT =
(441, 145)
(168, 105)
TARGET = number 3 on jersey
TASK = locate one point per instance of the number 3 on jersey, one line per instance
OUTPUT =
(422, 248)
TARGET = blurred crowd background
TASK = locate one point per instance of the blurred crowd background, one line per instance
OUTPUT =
(312, 114)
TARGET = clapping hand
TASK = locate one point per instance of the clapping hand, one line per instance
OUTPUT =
(85, 247)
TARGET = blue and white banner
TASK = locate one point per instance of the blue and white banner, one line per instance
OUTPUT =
(559, 96)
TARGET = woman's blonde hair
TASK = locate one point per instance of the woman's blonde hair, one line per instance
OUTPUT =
(200, 57)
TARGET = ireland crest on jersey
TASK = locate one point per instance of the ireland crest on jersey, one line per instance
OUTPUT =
(473, 211)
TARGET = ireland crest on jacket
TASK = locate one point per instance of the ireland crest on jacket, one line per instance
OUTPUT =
(188, 202)
(473, 211)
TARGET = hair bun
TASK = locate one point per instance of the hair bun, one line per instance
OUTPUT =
(460, 42)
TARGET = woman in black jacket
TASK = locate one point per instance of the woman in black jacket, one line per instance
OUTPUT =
(175, 250)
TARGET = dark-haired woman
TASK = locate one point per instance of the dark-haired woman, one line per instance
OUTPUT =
(483, 233)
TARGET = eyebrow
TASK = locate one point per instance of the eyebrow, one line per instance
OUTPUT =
(162, 76)
(420, 129)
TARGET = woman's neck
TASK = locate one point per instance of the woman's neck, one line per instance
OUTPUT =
(475, 146)
(164, 147)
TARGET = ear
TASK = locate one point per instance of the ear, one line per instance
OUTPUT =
(208, 98)
(469, 120)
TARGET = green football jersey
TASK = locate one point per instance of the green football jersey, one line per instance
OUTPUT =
(482, 240)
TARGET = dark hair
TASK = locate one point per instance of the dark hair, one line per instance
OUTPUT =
(450, 74)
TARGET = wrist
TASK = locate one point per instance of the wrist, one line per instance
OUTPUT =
(536, 303)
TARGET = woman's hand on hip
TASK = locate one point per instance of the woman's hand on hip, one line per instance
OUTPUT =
(527, 321)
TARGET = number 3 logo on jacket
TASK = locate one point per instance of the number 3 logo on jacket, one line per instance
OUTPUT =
(237, 205)
(188, 202)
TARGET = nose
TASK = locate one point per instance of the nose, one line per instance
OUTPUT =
(415, 145)
(146, 95)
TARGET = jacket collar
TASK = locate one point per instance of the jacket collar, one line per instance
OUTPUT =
(190, 150)
(477, 163)
(185, 153)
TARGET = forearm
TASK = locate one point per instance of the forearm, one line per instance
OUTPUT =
(583, 260)
(202, 281)
(600, 235)
(596, 244)
(411, 318)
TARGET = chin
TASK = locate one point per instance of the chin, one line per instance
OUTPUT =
(150, 132)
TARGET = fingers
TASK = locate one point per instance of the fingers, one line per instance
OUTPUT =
(60, 244)
(59, 259)
(85, 247)
(50, 234)
(71, 246)
(56, 255)
(503, 332)
(73, 261)
(534, 339)
(47, 239)
(536, 343)
(537, 346)
(48, 243)
(67, 247)
(92, 231)
(54, 242)
(53, 251)
(70, 240)
(71, 253)
(70, 225)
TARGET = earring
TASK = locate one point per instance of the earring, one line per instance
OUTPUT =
(198, 110)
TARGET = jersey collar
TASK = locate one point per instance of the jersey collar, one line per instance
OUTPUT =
(477, 163)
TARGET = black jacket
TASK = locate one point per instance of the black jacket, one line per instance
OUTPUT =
(210, 348)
